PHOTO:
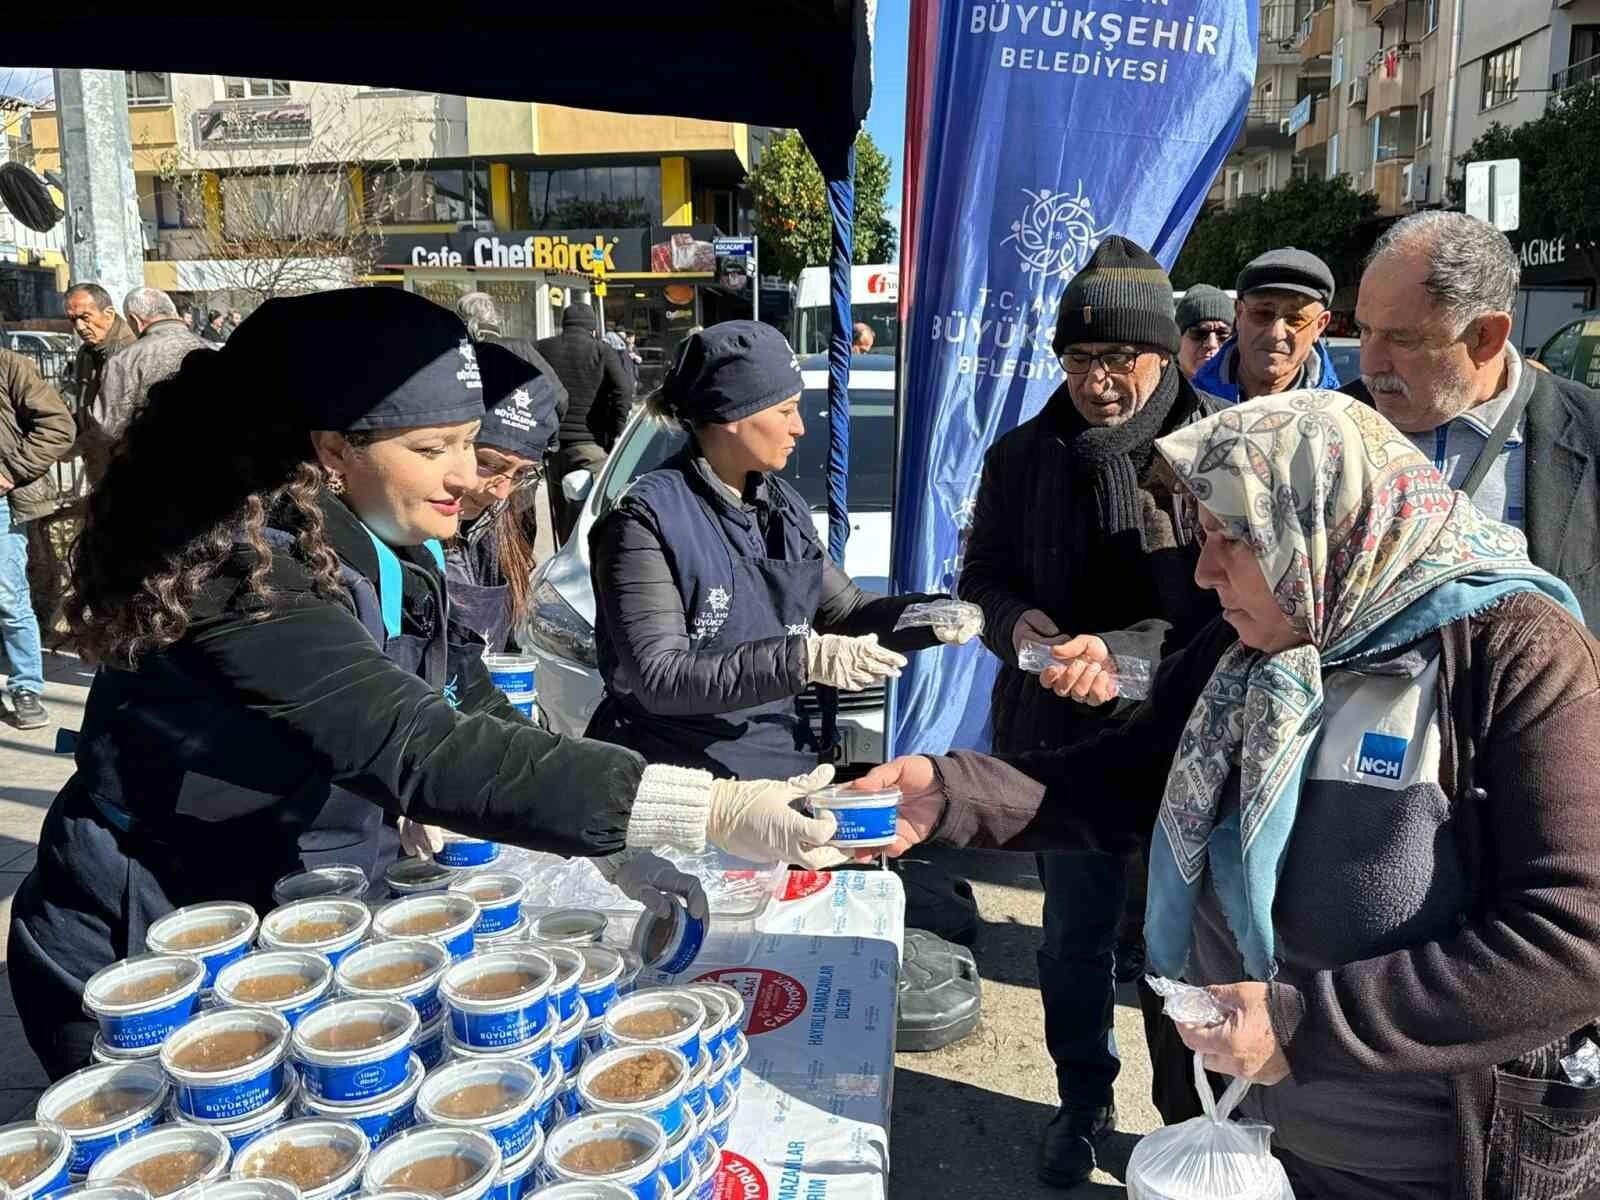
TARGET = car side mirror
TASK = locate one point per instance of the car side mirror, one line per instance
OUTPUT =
(575, 485)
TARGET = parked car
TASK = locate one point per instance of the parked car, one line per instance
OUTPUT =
(560, 631)
(38, 340)
(1574, 350)
(1346, 355)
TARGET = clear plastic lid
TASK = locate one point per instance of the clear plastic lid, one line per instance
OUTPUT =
(842, 795)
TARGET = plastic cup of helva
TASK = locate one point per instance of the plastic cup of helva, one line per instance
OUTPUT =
(323, 1158)
(215, 933)
(418, 877)
(499, 896)
(228, 1063)
(167, 1160)
(608, 1147)
(658, 1017)
(497, 1096)
(499, 998)
(660, 1077)
(289, 982)
(568, 926)
(445, 917)
(40, 1152)
(102, 1106)
(139, 1001)
(602, 973)
(865, 819)
(331, 926)
(381, 1117)
(406, 969)
(356, 1049)
(242, 1132)
(447, 1160)
(462, 851)
(331, 879)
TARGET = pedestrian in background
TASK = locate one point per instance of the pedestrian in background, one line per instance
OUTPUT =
(213, 331)
(1205, 316)
(1102, 556)
(163, 341)
(862, 338)
(36, 431)
(599, 398)
(101, 333)
(1436, 359)
(1279, 319)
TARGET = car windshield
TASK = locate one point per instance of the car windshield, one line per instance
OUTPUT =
(1346, 362)
(871, 452)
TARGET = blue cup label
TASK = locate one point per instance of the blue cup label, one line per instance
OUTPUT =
(359, 1082)
(460, 946)
(518, 680)
(494, 1031)
(865, 824)
(229, 1102)
(215, 962)
(59, 1183)
(427, 1004)
(670, 1117)
(380, 1127)
(143, 1030)
(599, 1000)
(695, 1098)
(514, 1137)
(567, 1001)
(431, 1052)
(493, 920)
(467, 854)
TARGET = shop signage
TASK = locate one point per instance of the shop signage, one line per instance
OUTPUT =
(242, 127)
(734, 247)
(1299, 116)
(1543, 252)
(568, 251)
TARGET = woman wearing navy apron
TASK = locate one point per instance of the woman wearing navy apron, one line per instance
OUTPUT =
(489, 562)
(716, 606)
(260, 581)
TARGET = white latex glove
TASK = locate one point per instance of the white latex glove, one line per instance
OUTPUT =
(1032, 626)
(755, 819)
(850, 664)
(419, 840)
(653, 881)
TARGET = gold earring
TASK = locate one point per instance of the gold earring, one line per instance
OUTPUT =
(336, 483)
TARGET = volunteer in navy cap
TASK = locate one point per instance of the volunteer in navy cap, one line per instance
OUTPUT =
(716, 606)
(260, 583)
(490, 559)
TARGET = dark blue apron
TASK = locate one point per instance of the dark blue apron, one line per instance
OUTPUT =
(483, 609)
(733, 592)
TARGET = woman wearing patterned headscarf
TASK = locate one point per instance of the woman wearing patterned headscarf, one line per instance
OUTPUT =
(1369, 790)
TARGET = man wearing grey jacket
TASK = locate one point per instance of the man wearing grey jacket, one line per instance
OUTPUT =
(164, 341)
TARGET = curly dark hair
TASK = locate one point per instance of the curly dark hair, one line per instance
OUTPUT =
(203, 464)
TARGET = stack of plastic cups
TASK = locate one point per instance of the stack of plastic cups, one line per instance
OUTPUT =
(357, 1065)
(513, 674)
(406, 969)
(230, 1072)
(498, 1096)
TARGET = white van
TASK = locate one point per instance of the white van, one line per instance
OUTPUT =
(874, 299)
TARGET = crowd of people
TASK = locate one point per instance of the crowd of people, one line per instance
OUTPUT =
(1354, 803)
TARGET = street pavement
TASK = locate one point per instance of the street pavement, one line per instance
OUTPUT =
(966, 1118)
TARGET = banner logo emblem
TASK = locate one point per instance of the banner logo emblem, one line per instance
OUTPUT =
(1055, 234)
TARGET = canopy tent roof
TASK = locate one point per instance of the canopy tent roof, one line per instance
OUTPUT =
(801, 64)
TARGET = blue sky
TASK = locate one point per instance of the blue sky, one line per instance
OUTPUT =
(886, 119)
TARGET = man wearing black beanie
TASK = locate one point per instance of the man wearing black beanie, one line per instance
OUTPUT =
(1077, 537)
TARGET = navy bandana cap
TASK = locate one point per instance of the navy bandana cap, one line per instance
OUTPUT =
(730, 371)
(519, 403)
(401, 361)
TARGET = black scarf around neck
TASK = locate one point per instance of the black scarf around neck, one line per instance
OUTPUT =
(1114, 458)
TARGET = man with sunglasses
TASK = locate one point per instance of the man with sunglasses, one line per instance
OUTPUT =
(1205, 315)
(1077, 539)
(1279, 319)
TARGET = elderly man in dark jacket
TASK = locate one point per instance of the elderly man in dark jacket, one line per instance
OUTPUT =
(1437, 360)
(101, 333)
(1075, 533)
(35, 431)
(599, 396)
(164, 341)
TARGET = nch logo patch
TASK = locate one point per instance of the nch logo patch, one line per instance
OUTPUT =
(1382, 754)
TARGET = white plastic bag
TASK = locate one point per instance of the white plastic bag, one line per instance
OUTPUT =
(1209, 1157)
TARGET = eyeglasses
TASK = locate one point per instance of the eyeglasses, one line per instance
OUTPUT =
(517, 477)
(1113, 362)
(1205, 334)
(1294, 320)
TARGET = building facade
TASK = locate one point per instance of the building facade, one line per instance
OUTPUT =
(33, 266)
(254, 187)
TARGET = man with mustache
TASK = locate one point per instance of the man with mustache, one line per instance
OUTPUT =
(1434, 314)
(1279, 318)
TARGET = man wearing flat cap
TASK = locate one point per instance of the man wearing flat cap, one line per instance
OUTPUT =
(1077, 539)
(1279, 319)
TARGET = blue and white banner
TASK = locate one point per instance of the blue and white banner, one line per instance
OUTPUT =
(1033, 130)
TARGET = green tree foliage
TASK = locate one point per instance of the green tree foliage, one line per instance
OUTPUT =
(1327, 217)
(791, 216)
(1560, 155)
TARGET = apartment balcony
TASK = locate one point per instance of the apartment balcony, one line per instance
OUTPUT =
(1378, 9)
(1392, 80)
(1315, 39)
(1313, 131)
(1279, 32)
(1577, 75)
(1266, 126)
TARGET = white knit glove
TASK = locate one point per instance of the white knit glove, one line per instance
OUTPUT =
(850, 664)
(653, 881)
(756, 819)
(419, 840)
